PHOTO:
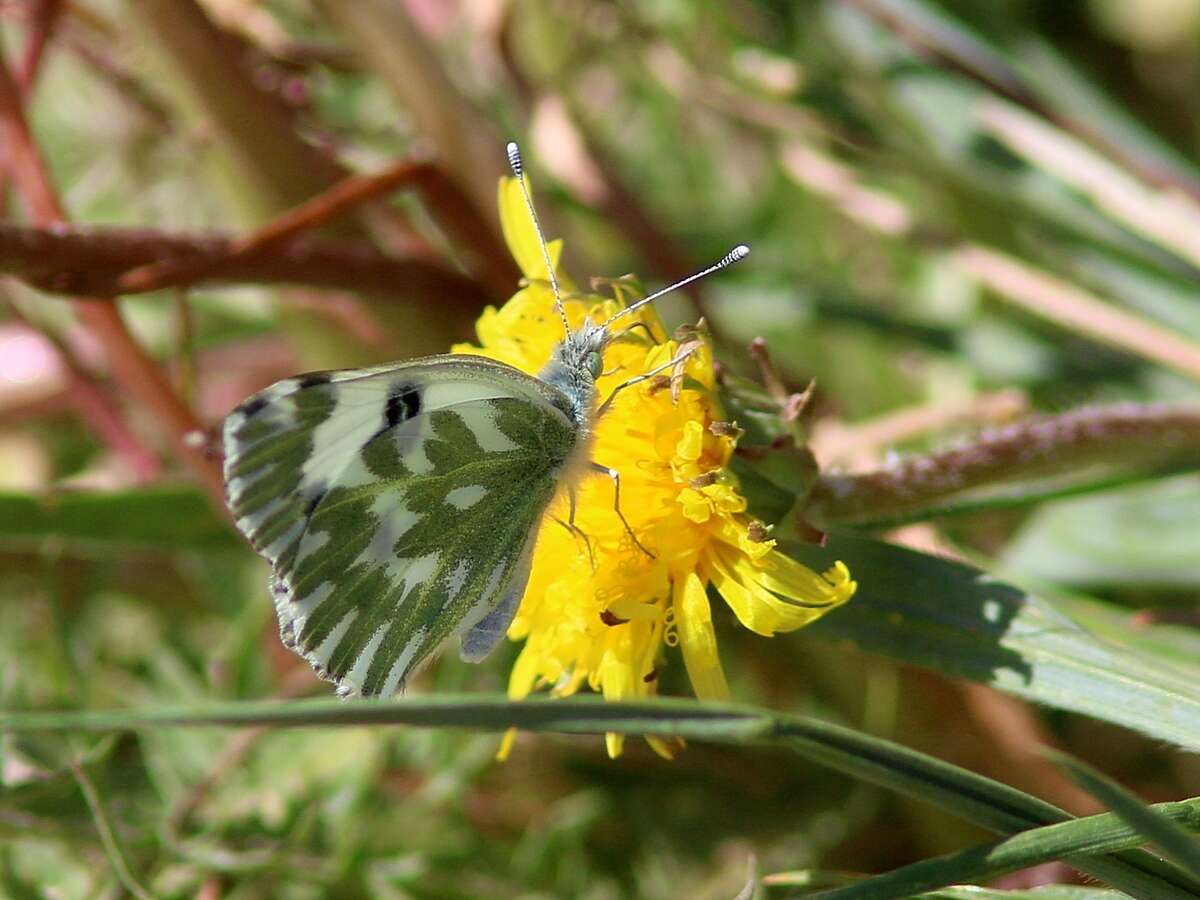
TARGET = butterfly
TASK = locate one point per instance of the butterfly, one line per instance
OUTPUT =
(399, 505)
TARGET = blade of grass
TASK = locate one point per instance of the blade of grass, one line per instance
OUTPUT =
(1048, 892)
(983, 801)
(975, 797)
(966, 623)
(108, 835)
(1163, 831)
(1104, 833)
(1041, 80)
(96, 523)
(1079, 311)
(1168, 219)
(808, 878)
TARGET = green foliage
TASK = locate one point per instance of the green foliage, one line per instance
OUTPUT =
(881, 157)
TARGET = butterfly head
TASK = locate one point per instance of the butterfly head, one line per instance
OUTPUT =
(574, 366)
(578, 360)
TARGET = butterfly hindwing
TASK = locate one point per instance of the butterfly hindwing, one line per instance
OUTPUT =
(397, 506)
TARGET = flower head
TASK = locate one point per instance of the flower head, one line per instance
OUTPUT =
(599, 610)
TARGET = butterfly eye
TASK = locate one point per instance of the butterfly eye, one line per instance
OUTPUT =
(595, 364)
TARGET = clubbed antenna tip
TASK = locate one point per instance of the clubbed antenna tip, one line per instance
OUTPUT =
(514, 157)
(741, 251)
(514, 160)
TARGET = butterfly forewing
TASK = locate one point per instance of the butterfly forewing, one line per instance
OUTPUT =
(397, 507)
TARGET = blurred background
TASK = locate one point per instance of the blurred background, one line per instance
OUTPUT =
(960, 213)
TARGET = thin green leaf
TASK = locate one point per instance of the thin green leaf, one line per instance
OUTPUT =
(1105, 833)
(87, 523)
(1177, 645)
(1035, 74)
(937, 110)
(1142, 536)
(958, 620)
(975, 797)
(108, 835)
(808, 878)
(1173, 840)
(1050, 892)
(1062, 86)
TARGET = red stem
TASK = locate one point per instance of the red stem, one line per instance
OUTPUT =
(132, 368)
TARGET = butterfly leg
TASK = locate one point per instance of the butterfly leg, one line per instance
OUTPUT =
(671, 363)
(616, 480)
(575, 530)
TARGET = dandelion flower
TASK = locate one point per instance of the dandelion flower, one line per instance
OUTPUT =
(598, 610)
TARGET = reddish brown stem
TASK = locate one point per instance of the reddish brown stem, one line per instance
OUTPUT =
(276, 235)
(42, 24)
(132, 368)
(93, 261)
(1019, 463)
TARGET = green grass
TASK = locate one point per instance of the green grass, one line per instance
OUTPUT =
(961, 216)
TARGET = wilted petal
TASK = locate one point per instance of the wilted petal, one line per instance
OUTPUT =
(777, 594)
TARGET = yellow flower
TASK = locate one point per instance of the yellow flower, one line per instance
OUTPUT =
(600, 611)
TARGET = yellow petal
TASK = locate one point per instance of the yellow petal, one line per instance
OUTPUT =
(665, 747)
(806, 596)
(520, 234)
(634, 609)
(784, 576)
(524, 674)
(614, 743)
(697, 640)
(506, 745)
(726, 499)
(696, 506)
(691, 445)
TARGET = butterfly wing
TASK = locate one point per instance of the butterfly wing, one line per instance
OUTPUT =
(397, 506)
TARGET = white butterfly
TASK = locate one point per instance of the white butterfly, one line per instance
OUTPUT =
(399, 505)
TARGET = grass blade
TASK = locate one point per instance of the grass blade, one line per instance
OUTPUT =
(953, 618)
(108, 835)
(1169, 836)
(1104, 833)
(975, 797)
(1049, 892)
(94, 523)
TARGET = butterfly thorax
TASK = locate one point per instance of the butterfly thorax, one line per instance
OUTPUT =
(573, 368)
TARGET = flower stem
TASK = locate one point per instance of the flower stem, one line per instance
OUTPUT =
(1025, 462)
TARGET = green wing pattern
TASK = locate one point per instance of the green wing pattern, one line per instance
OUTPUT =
(397, 506)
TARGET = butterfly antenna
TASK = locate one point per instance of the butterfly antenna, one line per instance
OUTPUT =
(741, 251)
(514, 160)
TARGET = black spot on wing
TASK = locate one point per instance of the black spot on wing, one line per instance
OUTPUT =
(312, 379)
(249, 407)
(403, 403)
